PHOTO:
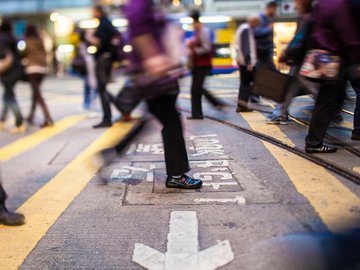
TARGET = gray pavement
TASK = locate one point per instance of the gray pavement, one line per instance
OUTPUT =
(251, 200)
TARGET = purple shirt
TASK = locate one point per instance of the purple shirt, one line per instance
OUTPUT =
(335, 29)
(143, 19)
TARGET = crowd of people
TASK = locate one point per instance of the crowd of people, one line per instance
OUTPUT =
(153, 77)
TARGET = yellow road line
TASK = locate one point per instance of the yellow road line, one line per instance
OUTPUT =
(13, 149)
(46, 205)
(333, 202)
(357, 170)
(258, 123)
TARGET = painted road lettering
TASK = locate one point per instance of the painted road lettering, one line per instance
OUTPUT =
(183, 248)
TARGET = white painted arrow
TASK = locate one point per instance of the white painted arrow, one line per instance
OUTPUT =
(183, 248)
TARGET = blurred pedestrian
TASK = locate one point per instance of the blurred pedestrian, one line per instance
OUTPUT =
(102, 39)
(264, 35)
(294, 56)
(9, 77)
(6, 217)
(200, 50)
(36, 70)
(336, 39)
(247, 59)
(89, 74)
(153, 64)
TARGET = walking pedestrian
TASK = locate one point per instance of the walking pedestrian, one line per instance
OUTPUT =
(9, 77)
(153, 64)
(102, 39)
(247, 59)
(339, 39)
(90, 82)
(200, 50)
(36, 70)
(264, 35)
(294, 56)
(7, 217)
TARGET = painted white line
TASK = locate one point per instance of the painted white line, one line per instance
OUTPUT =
(238, 199)
(217, 186)
(183, 248)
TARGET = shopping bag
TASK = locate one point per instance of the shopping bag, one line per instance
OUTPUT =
(272, 84)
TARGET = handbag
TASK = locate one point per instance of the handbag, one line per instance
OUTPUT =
(272, 84)
(128, 98)
(321, 65)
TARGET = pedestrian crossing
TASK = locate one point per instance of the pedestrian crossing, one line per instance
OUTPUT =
(24, 144)
(47, 204)
(331, 199)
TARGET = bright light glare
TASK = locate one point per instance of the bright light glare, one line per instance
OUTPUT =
(207, 19)
(176, 3)
(63, 26)
(120, 22)
(21, 45)
(89, 24)
(54, 16)
(127, 48)
(198, 2)
(66, 48)
(92, 49)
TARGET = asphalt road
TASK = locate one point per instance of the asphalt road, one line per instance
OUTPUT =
(262, 207)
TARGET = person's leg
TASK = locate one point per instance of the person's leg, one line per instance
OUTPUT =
(2, 198)
(11, 101)
(6, 217)
(87, 94)
(355, 82)
(31, 116)
(163, 108)
(36, 83)
(196, 93)
(103, 69)
(177, 163)
(246, 80)
(327, 104)
(5, 109)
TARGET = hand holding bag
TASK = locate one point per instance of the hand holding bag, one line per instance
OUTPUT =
(321, 65)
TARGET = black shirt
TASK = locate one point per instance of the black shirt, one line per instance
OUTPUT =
(105, 32)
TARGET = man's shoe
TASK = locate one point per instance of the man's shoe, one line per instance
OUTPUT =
(11, 219)
(278, 120)
(355, 136)
(184, 182)
(103, 125)
(320, 149)
(195, 118)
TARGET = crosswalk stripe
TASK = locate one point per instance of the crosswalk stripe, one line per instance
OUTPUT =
(47, 204)
(24, 144)
(333, 202)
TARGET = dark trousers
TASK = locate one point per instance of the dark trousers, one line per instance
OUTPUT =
(328, 104)
(10, 104)
(197, 91)
(163, 108)
(246, 81)
(355, 82)
(103, 72)
(265, 59)
(35, 81)
(2, 198)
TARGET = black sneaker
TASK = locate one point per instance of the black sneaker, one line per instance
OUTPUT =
(355, 136)
(320, 149)
(103, 125)
(11, 219)
(185, 182)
